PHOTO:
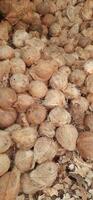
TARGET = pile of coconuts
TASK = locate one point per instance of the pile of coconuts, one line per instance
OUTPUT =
(46, 91)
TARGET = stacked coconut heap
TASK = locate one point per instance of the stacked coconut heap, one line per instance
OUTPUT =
(46, 97)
